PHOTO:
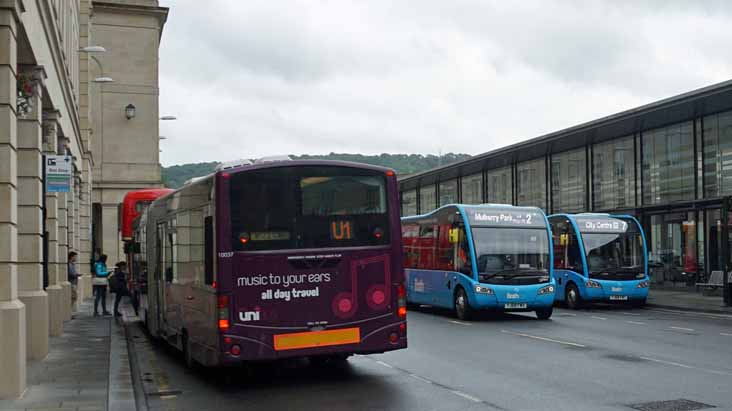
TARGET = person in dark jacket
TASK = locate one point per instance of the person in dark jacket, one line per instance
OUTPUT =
(120, 286)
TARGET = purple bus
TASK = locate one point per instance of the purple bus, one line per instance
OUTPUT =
(276, 259)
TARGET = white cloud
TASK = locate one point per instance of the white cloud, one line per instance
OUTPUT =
(253, 78)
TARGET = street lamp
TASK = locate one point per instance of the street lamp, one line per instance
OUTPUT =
(163, 138)
(130, 111)
(168, 118)
(104, 80)
(93, 49)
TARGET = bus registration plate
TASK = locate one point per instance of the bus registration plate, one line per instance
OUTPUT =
(312, 339)
(514, 306)
(619, 297)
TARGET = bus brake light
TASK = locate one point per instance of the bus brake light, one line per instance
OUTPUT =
(222, 303)
(223, 324)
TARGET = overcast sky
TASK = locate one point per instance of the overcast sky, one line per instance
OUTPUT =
(253, 78)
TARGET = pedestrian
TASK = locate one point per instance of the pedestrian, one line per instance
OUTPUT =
(100, 285)
(120, 286)
(73, 276)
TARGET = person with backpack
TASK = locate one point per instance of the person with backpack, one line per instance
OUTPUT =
(99, 285)
(119, 286)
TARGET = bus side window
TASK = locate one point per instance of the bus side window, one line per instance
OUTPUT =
(567, 254)
(426, 245)
(208, 253)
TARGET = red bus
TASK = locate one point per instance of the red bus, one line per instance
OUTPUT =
(275, 260)
(133, 204)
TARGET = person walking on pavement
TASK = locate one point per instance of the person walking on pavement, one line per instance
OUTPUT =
(100, 285)
(73, 276)
(120, 286)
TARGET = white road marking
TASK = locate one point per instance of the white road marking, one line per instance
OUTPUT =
(675, 364)
(636, 322)
(627, 313)
(384, 364)
(536, 337)
(692, 313)
(682, 329)
(466, 396)
(726, 334)
(459, 322)
(425, 380)
(567, 315)
(599, 318)
(691, 367)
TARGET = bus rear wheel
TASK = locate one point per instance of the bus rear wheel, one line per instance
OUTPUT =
(463, 310)
(544, 314)
(572, 297)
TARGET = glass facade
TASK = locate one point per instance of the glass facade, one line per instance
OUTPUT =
(499, 186)
(472, 189)
(448, 192)
(427, 199)
(569, 181)
(658, 175)
(613, 174)
(409, 202)
(668, 164)
(531, 183)
(717, 132)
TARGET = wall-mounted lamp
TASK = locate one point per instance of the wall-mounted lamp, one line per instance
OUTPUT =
(130, 111)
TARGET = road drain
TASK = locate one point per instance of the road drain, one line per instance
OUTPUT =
(177, 392)
(672, 405)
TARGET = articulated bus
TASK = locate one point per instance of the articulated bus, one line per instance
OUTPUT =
(276, 259)
(487, 257)
(599, 257)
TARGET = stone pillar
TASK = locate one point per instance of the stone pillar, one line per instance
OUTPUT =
(71, 211)
(30, 221)
(54, 289)
(110, 236)
(85, 246)
(12, 310)
(63, 253)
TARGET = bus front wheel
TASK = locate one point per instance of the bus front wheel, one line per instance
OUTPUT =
(463, 310)
(572, 297)
(544, 314)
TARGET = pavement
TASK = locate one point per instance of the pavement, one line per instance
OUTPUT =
(87, 369)
(685, 300)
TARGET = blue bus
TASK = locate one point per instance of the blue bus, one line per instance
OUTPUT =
(599, 257)
(480, 257)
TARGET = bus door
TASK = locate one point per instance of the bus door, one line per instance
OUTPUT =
(568, 267)
(159, 309)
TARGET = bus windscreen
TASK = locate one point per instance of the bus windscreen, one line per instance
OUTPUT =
(288, 208)
(613, 248)
(509, 252)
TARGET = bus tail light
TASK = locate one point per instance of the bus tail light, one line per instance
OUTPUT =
(222, 303)
(235, 350)
(402, 301)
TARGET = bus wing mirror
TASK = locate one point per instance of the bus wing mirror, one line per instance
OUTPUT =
(453, 235)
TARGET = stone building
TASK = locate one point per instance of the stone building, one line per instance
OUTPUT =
(56, 98)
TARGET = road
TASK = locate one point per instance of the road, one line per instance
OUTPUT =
(604, 358)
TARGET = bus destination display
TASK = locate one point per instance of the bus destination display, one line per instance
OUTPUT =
(601, 225)
(504, 218)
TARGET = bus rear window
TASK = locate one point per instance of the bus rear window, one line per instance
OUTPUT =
(308, 207)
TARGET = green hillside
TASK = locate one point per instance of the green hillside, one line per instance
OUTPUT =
(175, 176)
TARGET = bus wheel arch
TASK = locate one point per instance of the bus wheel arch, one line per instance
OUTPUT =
(461, 304)
(572, 296)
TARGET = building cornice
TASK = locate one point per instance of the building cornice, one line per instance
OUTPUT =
(15, 6)
(160, 13)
